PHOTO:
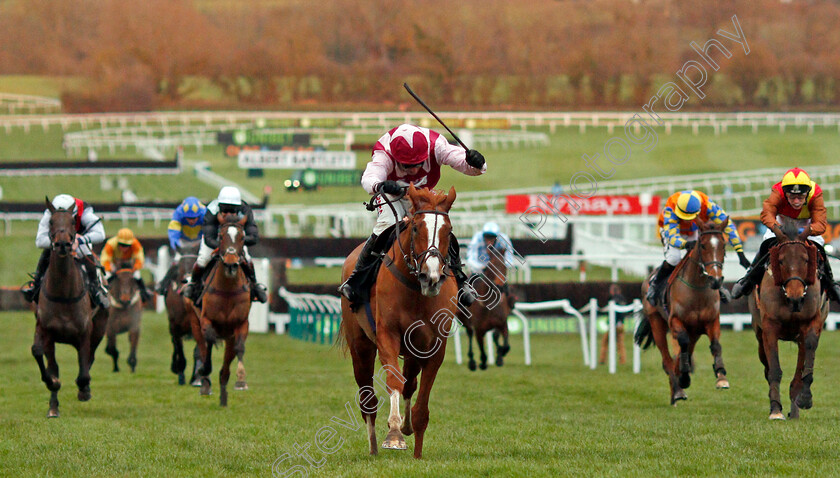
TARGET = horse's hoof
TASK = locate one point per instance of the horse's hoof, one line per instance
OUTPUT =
(483, 365)
(52, 413)
(84, 395)
(223, 400)
(407, 430)
(793, 414)
(240, 386)
(116, 369)
(805, 400)
(500, 361)
(205, 387)
(471, 366)
(679, 395)
(394, 441)
(196, 382)
(777, 416)
(685, 380)
(722, 384)
(181, 379)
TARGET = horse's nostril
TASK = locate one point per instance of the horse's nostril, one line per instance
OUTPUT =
(423, 276)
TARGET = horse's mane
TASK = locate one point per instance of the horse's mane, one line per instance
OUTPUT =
(430, 197)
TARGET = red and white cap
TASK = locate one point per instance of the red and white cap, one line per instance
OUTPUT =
(409, 145)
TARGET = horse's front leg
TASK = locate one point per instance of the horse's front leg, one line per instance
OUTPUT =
(420, 411)
(713, 331)
(54, 385)
(133, 339)
(111, 347)
(203, 360)
(388, 344)
(83, 380)
(179, 361)
(480, 341)
(774, 369)
(224, 371)
(659, 330)
(240, 334)
(471, 363)
(811, 334)
(683, 365)
(411, 368)
(796, 383)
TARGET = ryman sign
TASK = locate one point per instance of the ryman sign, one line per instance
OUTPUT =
(595, 205)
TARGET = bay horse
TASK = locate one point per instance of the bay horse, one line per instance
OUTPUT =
(124, 314)
(412, 304)
(789, 305)
(225, 304)
(179, 320)
(65, 314)
(490, 309)
(693, 300)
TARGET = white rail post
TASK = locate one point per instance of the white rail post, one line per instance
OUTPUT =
(489, 344)
(457, 339)
(593, 333)
(258, 315)
(158, 273)
(637, 351)
(611, 332)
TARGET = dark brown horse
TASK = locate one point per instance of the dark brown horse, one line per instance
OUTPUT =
(65, 313)
(414, 304)
(693, 310)
(179, 320)
(125, 313)
(490, 310)
(224, 311)
(789, 305)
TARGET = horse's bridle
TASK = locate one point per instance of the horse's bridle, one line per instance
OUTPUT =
(800, 279)
(412, 261)
(239, 228)
(703, 264)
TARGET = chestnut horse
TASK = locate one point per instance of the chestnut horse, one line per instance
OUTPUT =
(124, 315)
(413, 304)
(789, 305)
(224, 311)
(693, 310)
(65, 313)
(490, 310)
(179, 319)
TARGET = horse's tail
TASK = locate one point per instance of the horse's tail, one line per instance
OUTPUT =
(341, 340)
(644, 334)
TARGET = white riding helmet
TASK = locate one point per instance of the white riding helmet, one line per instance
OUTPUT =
(230, 195)
(491, 229)
(63, 201)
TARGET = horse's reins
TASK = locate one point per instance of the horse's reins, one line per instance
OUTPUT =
(800, 279)
(119, 304)
(56, 299)
(224, 293)
(411, 260)
(703, 265)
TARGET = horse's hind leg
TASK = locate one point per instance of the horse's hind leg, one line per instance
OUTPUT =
(411, 368)
(471, 362)
(713, 331)
(111, 349)
(133, 338)
(796, 384)
(241, 335)
(363, 353)
(83, 380)
(224, 371)
(812, 338)
(195, 378)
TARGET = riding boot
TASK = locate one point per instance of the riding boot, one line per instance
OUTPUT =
(465, 295)
(97, 290)
(831, 287)
(30, 289)
(144, 292)
(193, 287)
(167, 279)
(258, 292)
(744, 285)
(351, 289)
(658, 282)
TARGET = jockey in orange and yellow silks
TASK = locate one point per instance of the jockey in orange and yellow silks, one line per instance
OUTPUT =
(678, 230)
(795, 200)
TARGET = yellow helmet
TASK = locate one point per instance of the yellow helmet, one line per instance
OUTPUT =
(125, 237)
(796, 181)
(688, 205)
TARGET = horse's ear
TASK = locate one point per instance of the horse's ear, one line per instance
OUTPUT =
(803, 236)
(50, 206)
(724, 224)
(412, 195)
(243, 221)
(450, 198)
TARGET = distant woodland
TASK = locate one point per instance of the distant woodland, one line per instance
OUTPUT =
(468, 54)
